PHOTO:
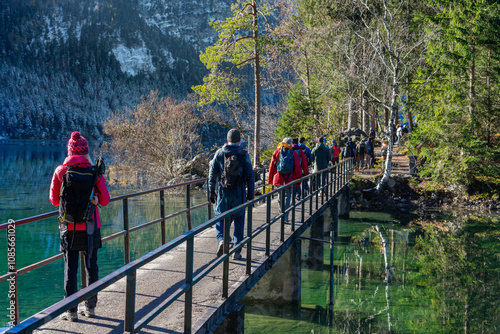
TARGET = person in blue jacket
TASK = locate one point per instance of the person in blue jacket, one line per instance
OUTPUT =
(231, 183)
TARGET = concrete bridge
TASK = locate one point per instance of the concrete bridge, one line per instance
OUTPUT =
(182, 287)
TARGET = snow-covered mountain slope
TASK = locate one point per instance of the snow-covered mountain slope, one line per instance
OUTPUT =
(68, 64)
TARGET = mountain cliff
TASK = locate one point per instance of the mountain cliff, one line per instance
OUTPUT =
(67, 65)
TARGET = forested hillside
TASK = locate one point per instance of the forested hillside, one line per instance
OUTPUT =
(68, 64)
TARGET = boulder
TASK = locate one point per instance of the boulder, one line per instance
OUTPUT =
(197, 166)
(355, 134)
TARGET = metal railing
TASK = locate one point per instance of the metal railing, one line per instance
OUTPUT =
(335, 177)
(12, 275)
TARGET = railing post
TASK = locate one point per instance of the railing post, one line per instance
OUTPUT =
(188, 207)
(344, 171)
(268, 228)
(126, 237)
(188, 299)
(324, 181)
(130, 303)
(303, 200)
(225, 270)
(162, 215)
(294, 189)
(263, 183)
(209, 206)
(249, 236)
(283, 209)
(13, 288)
(330, 183)
(318, 179)
(337, 178)
(311, 194)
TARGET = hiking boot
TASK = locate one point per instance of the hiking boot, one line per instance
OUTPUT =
(86, 311)
(69, 316)
(220, 250)
(236, 256)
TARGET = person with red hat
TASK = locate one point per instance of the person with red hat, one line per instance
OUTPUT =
(73, 185)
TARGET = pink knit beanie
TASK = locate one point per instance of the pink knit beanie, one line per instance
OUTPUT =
(77, 144)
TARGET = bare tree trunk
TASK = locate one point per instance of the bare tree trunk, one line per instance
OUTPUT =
(365, 120)
(386, 113)
(408, 110)
(352, 120)
(374, 117)
(396, 115)
(385, 246)
(394, 108)
(256, 142)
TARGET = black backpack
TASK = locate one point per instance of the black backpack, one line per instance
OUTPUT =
(360, 149)
(75, 193)
(232, 175)
(348, 151)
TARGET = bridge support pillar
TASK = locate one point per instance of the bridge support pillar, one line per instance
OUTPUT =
(332, 216)
(234, 322)
(315, 251)
(281, 284)
(344, 204)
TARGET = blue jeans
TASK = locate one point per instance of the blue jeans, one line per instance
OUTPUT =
(298, 193)
(70, 273)
(288, 194)
(322, 180)
(225, 203)
(305, 185)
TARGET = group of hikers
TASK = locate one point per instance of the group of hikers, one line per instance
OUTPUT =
(231, 178)
(78, 187)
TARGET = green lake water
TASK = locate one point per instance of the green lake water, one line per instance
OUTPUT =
(442, 280)
(446, 280)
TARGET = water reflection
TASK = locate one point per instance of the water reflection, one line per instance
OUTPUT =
(442, 280)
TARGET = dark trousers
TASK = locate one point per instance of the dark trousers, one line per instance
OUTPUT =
(71, 270)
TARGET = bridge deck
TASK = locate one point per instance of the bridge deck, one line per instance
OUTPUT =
(161, 278)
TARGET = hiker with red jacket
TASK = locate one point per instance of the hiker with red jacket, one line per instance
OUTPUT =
(335, 152)
(303, 164)
(285, 168)
(73, 185)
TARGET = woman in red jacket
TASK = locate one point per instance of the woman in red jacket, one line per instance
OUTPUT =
(74, 237)
(278, 178)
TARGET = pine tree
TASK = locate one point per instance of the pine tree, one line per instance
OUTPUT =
(459, 111)
(239, 44)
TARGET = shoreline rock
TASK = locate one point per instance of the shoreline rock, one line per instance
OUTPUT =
(405, 194)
